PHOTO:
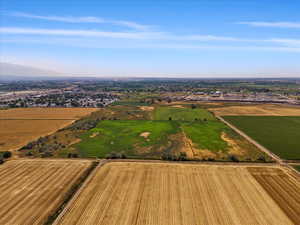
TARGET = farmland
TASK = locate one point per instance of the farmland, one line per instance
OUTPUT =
(147, 132)
(185, 194)
(31, 190)
(45, 113)
(135, 137)
(22, 125)
(178, 112)
(280, 135)
(256, 110)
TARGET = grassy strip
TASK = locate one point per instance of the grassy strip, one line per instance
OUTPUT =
(69, 195)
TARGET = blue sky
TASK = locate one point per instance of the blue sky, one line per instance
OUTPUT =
(175, 38)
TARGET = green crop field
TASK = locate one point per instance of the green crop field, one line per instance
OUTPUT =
(206, 135)
(126, 136)
(280, 134)
(186, 114)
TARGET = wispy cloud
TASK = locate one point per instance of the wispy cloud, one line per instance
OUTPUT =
(272, 24)
(156, 35)
(82, 33)
(87, 19)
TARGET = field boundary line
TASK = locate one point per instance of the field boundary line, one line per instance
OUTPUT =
(79, 191)
(262, 148)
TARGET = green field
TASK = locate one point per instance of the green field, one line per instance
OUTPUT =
(185, 114)
(206, 135)
(280, 134)
(125, 135)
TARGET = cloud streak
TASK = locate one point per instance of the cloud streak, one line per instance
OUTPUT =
(88, 19)
(141, 35)
(272, 24)
(112, 34)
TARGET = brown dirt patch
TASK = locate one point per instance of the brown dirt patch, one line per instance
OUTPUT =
(178, 106)
(147, 108)
(94, 134)
(145, 134)
(235, 148)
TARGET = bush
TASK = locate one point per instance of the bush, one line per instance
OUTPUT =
(114, 155)
(6, 154)
(233, 158)
(261, 158)
(182, 156)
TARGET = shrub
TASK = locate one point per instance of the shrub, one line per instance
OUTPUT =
(6, 154)
(233, 158)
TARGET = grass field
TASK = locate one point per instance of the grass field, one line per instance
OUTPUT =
(185, 194)
(134, 137)
(22, 125)
(31, 190)
(206, 135)
(280, 135)
(152, 139)
(181, 113)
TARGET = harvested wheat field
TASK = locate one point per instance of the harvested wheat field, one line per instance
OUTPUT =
(257, 110)
(178, 194)
(22, 125)
(16, 133)
(31, 190)
(45, 113)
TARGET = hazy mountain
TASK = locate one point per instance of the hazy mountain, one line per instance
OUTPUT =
(9, 71)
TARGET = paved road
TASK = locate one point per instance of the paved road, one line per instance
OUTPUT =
(262, 148)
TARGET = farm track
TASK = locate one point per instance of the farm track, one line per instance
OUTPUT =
(137, 193)
(30, 190)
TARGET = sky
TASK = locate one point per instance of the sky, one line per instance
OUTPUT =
(162, 38)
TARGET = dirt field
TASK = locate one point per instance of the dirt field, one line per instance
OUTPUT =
(45, 113)
(185, 194)
(257, 110)
(30, 190)
(20, 126)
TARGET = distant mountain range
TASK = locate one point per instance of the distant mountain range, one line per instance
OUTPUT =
(9, 71)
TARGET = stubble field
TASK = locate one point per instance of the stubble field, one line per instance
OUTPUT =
(184, 194)
(22, 125)
(31, 190)
(256, 110)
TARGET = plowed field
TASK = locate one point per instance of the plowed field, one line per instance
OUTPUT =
(179, 194)
(31, 190)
